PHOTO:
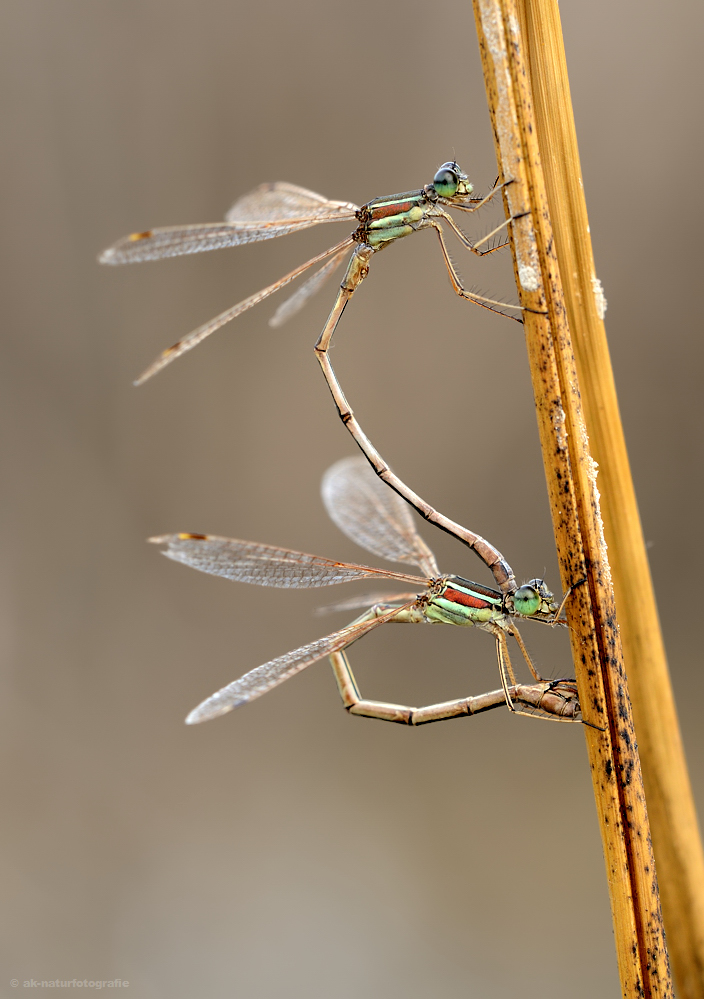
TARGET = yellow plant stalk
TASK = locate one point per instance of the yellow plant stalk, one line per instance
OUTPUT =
(574, 500)
(676, 840)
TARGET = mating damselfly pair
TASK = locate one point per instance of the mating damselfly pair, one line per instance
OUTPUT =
(360, 504)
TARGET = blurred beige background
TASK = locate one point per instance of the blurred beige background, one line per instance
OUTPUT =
(289, 850)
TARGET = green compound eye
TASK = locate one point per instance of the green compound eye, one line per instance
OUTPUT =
(447, 180)
(526, 600)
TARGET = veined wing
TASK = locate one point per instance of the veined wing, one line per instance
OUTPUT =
(271, 674)
(373, 515)
(195, 337)
(279, 201)
(265, 565)
(361, 600)
(177, 241)
(311, 286)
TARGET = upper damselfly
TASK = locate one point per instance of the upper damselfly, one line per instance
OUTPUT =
(374, 517)
(276, 209)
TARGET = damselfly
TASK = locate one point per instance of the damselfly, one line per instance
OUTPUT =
(374, 517)
(277, 209)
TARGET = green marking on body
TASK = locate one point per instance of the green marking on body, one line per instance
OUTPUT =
(377, 237)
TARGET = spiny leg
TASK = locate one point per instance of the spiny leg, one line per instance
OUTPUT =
(526, 654)
(485, 239)
(564, 690)
(478, 203)
(507, 674)
(473, 247)
(557, 620)
(486, 303)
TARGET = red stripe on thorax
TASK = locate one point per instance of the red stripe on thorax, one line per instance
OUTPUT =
(458, 597)
(393, 209)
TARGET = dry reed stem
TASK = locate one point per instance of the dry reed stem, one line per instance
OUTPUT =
(574, 501)
(676, 841)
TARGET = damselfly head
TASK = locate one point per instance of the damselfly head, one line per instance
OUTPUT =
(534, 598)
(451, 182)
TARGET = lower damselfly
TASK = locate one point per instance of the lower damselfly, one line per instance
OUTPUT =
(277, 209)
(374, 517)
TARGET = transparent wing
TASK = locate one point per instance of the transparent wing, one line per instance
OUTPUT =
(270, 211)
(372, 515)
(280, 201)
(195, 337)
(177, 241)
(309, 288)
(265, 565)
(263, 678)
(362, 600)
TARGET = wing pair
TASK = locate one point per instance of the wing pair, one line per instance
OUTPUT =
(369, 513)
(271, 210)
